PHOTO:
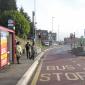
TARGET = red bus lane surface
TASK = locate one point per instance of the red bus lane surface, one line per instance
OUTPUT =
(60, 69)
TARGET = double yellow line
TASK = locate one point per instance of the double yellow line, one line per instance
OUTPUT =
(34, 81)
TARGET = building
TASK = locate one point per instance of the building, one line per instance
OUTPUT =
(52, 37)
(42, 34)
(74, 42)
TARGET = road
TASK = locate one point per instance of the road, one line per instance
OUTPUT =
(59, 67)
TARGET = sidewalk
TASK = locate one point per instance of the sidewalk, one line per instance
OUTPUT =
(12, 74)
(17, 74)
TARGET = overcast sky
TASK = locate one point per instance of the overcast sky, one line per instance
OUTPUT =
(69, 15)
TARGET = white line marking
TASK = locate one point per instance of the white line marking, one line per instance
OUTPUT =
(78, 65)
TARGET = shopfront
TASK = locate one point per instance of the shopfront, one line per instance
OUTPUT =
(7, 46)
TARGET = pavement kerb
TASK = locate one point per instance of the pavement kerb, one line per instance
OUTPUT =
(25, 78)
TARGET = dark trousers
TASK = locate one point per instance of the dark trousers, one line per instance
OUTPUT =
(28, 54)
(32, 56)
(18, 58)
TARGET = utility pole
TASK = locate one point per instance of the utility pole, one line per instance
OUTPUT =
(33, 21)
(74, 40)
(33, 26)
(52, 24)
(52, 29)
(58, 32)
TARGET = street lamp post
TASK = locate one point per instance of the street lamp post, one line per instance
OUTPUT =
(52, 29)
(52, 24)
(33, 21)
(33, 26)
(58, 33)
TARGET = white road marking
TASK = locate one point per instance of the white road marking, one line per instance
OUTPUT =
(45, 77)
(61, 68)
(79, 65)
(81, 75)
(51, 68)
(58, 76)
(71, 76)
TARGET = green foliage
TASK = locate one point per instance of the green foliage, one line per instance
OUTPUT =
(8, 10)
(31, 33)
(24, 14)
(6, 5)
(22, 26)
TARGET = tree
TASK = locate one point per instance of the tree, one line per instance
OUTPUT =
(7, 5)
(24, 14)
(31, 33)
(22, 26)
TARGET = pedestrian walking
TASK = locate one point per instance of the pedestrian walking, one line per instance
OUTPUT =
(27, 46)
(18, 51)
(32, 51)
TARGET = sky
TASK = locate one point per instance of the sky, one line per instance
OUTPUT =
(66, 16)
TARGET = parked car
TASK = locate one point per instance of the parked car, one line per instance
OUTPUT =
(47, 43)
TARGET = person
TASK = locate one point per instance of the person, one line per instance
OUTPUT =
(32, 51)
(27, 46)
(18, 51)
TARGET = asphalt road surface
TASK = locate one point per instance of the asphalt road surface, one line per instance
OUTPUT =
(59, 67)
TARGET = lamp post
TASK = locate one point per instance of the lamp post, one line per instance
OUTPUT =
(58, 33)
(52, 29)
(52, 23)
(33, 21)
(33, 27)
